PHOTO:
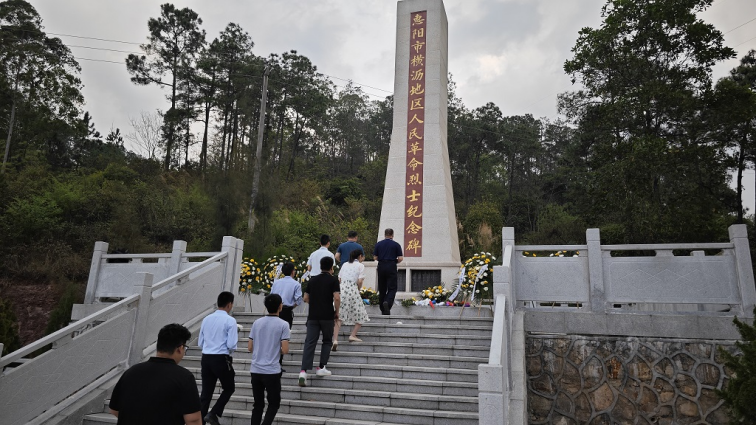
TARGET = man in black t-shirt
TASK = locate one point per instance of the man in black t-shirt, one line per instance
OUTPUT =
(388, 253)
(323, 296)
(158, 391)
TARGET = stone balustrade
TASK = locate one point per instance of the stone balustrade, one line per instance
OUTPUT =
(598, 296)
(95, 349)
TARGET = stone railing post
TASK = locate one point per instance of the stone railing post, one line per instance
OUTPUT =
(507, 286)
(100, 249)
(739, 238)
(144, 290)
(229, 246)
(595, 270)
(1, 350)
(177, 256)
(237, 263)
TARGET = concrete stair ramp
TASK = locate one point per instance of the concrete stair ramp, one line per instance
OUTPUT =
(422, 371)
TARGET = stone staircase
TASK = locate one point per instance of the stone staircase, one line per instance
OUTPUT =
(407, 370)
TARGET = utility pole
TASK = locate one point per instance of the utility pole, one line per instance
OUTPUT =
(10, 127)
(252, 219)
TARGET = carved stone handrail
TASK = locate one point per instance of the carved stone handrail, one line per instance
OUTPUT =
(66, 332)
(186, 272)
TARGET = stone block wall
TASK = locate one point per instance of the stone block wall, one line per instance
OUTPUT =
(577, 379)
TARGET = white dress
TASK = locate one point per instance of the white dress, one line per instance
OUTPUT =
(352, 307)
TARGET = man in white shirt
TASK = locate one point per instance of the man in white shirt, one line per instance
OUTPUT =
(313, 262)
(218, 339)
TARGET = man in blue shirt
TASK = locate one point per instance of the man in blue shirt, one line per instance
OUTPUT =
(345, 249)
(290, 291)
(388, 253)
(218, 339)
(268, 338)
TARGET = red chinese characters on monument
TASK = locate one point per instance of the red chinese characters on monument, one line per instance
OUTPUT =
(413, 203)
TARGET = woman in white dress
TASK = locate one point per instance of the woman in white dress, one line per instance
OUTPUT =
(352, 311)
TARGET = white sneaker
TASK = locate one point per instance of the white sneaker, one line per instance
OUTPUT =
(322, 372)
(302, 379)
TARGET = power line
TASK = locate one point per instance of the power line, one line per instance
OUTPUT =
(754, 19)
(102, 48)
(744, 42)
(95, 38)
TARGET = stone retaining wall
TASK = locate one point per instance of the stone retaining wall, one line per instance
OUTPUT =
(574, 379)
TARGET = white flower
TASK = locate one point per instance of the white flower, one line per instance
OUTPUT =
(485, 288)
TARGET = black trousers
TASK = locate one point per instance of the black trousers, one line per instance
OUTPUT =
(386, 285)
(216, 367)
(287, 314)
(260, 384)
(314, 328)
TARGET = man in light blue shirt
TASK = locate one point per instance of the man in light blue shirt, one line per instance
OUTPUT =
(290, 291)
(218, 339)
(268, 338)
(313, 262)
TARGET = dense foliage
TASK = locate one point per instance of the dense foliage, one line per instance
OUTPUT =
(740, 389)
(8, 328)
(644, 154)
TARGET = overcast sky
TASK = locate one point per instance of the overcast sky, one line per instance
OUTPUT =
(509, 52)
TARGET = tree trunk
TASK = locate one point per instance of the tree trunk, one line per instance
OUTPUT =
(171, 124)
(208, 104)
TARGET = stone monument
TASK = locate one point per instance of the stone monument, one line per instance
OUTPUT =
(418, 203)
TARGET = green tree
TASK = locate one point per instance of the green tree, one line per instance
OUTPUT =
(652, 165)
(37, 75)
(175, 41)
(740, 391)
(734, 118)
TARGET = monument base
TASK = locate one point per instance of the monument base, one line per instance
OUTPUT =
(415, 276)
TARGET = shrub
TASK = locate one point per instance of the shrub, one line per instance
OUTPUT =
(8, 328)
(740, 391)
(61, 314)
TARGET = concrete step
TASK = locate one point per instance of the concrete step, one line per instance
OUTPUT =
(368, 372)
(372, 398)
(390, 359)
(375, 347)
(248, 319)
(352, 413)
(380, 384)
(405, 329)
(242, 398)
(298, 335)
(281, 419)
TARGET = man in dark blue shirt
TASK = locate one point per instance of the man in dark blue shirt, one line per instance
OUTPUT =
(345, 249)
(388, 253)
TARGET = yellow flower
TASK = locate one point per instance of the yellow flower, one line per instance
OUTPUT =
(242, 289)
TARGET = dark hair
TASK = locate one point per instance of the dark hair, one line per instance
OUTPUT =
(171, 337)
(389, 232)
(355, 254)
(324, 239)
(225, 298)
(326, 263)
(287, 269)
(272, 302)
(352, 234)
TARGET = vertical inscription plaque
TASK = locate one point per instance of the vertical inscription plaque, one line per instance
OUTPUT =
(413, 203)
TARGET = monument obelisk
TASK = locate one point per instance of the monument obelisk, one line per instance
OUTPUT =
(418, 203)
